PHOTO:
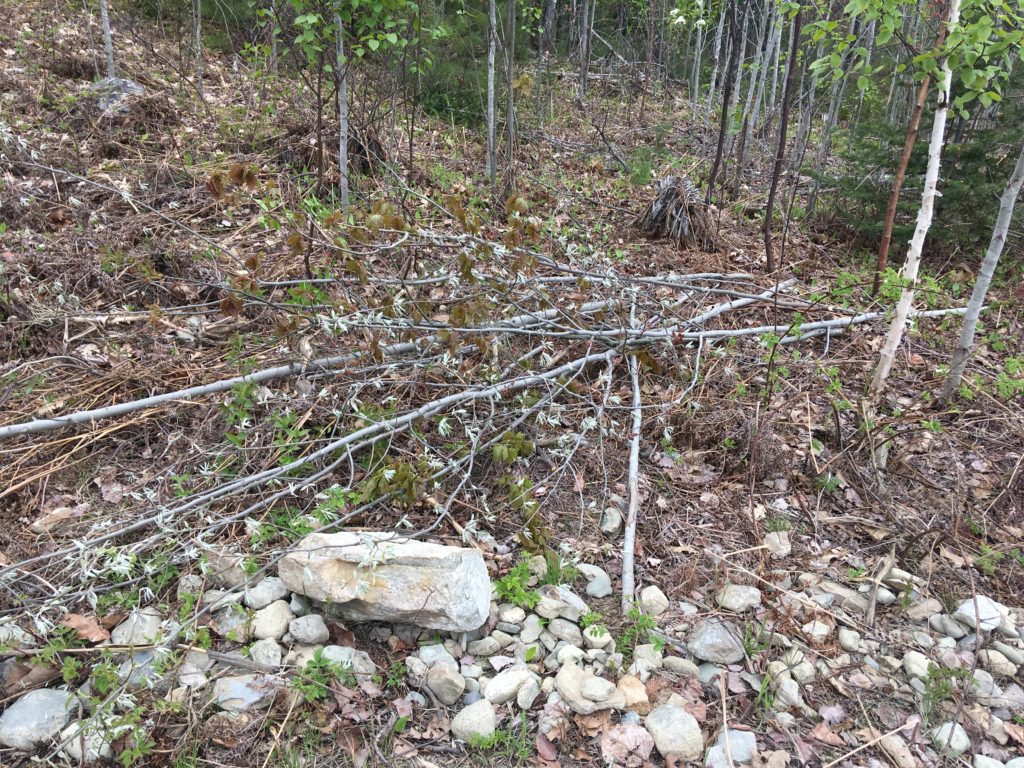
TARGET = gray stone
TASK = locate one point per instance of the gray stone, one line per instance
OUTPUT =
(240, 693)
(300, 605)
(816, 631)
(266, 653)
(596, 636)
(569, 683)
(565, 630)
(503, 640)
(486, 646)
(953, 733)
(88, 742)
(982, 761)
(982, 613)
(849, 640)
(445, 682)
(675, 732)
(386, 577)
(188, 584)
(35, 718)
(477, 720)
(778, 543)
(528, 693)
(653, 601)
(113, 94)
(568, 654)
(140, 628)
(599, 583)
(611, 521)
(996, 663)
(505, 685)
(533, 627)
(741, 748)
(738, 597)
(647, 659)
(946, 625)
(916, 664)
(309, 629)
(224, 568)
(924, 609)
(144, 668)
(272, 622)
(1017, 762)
(716, 641)
(597, 688)
(265, 592)
(13, 635)
(511, 614)
(680, 666)
(232, 623)
(558, 601)
(1013, 655)
(434, 654)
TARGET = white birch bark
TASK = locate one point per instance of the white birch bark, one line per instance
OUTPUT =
(924, 221)
(716, 63)
(492, 43)
(108, 42)
(695, 76)
(342, 115)
(988, 267)
(197, 41)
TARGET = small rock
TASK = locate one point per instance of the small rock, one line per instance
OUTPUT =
(445, 682)
(916, 664)
(996, 663)
(224, 568)
(486, 646)
(849, 640)
(265, 592)
(716, 641)
(35, 718)
(140, 628)
(359, 662)
(566, 630)
(512, 614)
(634, 694)
(953, 734)
(188, 584)
(299, 604)
(433, 654)
(738, 597)
(240, 693)
(272, 622)
(504, 686)
(89, 742)
(533, 626)
(528, 693)
(1013, 655)
(788, 694)
(778, 543)
(741, 747)
(599, 583)
(653, 601)
(266, 653)
(113, 94)
(946, 625)
(503, 640)
(568, 654)
(675, 731)
(569, 683)
(477, 720)
(597, 688)
(309, 629)
(611, 521)
(626, 744)
(924, 609)
(681, 666)
(558, 601)
(232, 623)
(816, 631)
(596, 636)
(982, 761)
(646, 659)
(1017, 762)
(982, 613)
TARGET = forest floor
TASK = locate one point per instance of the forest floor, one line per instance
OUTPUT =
(180, 242)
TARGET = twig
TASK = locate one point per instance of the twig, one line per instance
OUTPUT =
(629, 539)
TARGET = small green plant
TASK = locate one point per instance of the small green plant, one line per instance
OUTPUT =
(396, 675)
(853, 574)
(989, 558)
(754, 641)
(514, 587)
(313, 682)
(641, 627)
(765, 701)
(827, 483)
(938, 687)
(591, 619)
(776, 524)
(512, 743)
(556, 571)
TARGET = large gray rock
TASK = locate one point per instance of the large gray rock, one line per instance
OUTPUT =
(386, 577)
(477, 720)
(35, 718)
(715, 641)
(243, 692)
(599, 583)
(675, 732)
(140, 628)
(981, 612)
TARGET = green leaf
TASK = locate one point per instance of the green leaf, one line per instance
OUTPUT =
(373, 44)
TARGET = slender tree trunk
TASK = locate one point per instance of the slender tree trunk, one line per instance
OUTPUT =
(492, 133)
(197, 40)
(695, 74)
(510, 75)
(740, 44)
(803, 130)
(342, 65)
(546, 36)
(988, 267)
(726, 93)
(780, 151)
(924, 220)
(108, 42)
(714, 66)
(747, 118)
(860, 91)
(648, 56)
(772, 96)
(901, 171)
(585, 39)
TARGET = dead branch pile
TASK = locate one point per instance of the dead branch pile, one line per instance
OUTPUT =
(679, 213)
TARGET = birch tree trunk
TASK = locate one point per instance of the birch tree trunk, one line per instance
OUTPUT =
(730, 70)
(492, 133)
(108, 42)
(197, 41)
(695, 75)
(648, 56)
(988, 267)
(756, 71)
(803, 130)
(588, 10)
(714, 66)
(924, 221)
(342, 115)
(510, 73)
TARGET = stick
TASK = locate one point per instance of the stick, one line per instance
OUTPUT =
(629, 539)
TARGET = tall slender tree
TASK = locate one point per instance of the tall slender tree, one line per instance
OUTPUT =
(108, 42)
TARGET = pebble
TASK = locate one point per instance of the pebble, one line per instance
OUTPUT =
(232, 623)
(715, 641)
(959, 742)
(986, 612)
(359, 662)
(140, 628)
(816, 631)
(566, 630)
(675, 731)
(646, 660)
(243, 692)
(996, 663)
(924, 609)
(634, 694)
(597, 688)
(596, 636)
(87, 742)
(653, 601)
(272, 621)
(309, 629)
(849, 640)
(265, 592)
(1014, 655)
(680, 666)
(476, 720)
(528, 693)
(503, 640)
(266, 653)
(778, 543)
(599, 583)
(916, 664)
(611, 521)
(35, 718)
(433, 654)
(741, 748)
(505, 685)
(299, 604)
(486, 646)
(445, 682)
(511, 614)
(946, 625)
(532, 628)
(982, 761)
(738, 597)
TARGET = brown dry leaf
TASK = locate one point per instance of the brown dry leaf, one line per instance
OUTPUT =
(86, 627)
(626, 744)
(59, 518)
(953, 557)
(111, 490)
(1015, 732)
(595, 723)
(826, 735)
(896, 751)
(777, 758)
(546, 749)
(342, 635)
(351, 740)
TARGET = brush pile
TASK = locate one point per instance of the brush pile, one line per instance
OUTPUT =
(679, 213)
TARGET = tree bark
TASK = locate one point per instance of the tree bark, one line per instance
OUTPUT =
(108, 42)
(714, 66)
(510, 72)
(780, 152)
(726, 93)
(342, 115)
(492, 134)
(924, 220)
(988, 267)
(648, 56)
(197, 41)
